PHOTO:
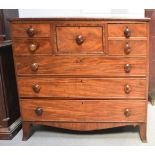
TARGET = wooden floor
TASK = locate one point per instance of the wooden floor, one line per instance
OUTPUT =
(118, 136)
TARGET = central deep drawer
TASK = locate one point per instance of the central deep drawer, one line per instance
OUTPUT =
(79, 39)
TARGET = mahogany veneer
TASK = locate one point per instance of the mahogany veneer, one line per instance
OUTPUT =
(80, 65)
(82, 74)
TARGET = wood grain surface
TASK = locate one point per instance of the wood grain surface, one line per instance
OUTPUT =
(20, 30)
(66, 39)
(137, 47)
(21, 46)
(80, 65)
(83, 110)
(82, 87)
(137, 30)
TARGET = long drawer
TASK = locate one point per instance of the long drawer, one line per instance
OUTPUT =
(82, 87)
(80, 65)
(83, 110)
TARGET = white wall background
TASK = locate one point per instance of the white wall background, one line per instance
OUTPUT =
(121, 13)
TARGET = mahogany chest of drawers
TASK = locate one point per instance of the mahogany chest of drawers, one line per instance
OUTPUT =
(82, 74)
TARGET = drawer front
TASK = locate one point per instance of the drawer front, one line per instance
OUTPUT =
(79, 40)
(30, 30)
(32, 46)
(136, 30)
(128, 48)
(82, 87)
(83, 110)
(80, 65)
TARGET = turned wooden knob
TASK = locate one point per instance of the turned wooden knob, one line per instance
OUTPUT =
(127, 89)
(39, 111)
(127, 48)
(36, 88)
(127, 112)
(33, 47)
(127, 32)
(31, 31)
(127, 68)
(79, 39)
(34, 67)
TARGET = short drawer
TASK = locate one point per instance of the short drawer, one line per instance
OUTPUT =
(32, 46)
(30, 30)
(127, 48)
(79, 40)
(83, 110)
(82, 87)
(125, 29)
(80, 66)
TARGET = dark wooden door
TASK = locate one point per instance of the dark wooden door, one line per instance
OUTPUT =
(3, 109)
(151, 14)
(1, 95)
(4, 26)
(9, 103)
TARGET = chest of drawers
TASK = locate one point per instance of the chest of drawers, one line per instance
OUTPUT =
(82, 74)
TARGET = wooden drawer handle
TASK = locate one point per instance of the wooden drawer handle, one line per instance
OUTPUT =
(127, 32)
(36, 88)
(31, 31)
(127, 112)
(127, 68)
(79, 39)
(33, 47)
(127, 89)
(34, 67)
(39, 111)
(127, 48)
